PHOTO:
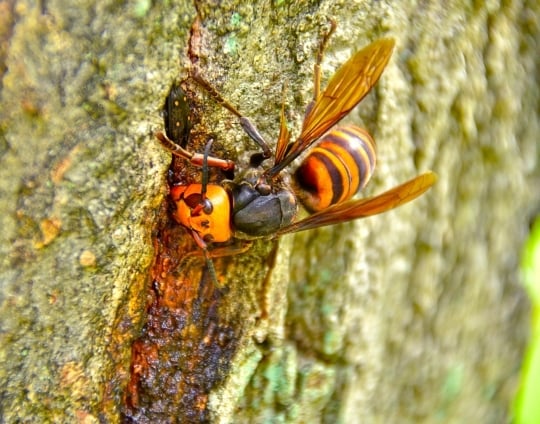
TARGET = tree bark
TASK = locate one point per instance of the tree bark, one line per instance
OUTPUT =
(415, 315)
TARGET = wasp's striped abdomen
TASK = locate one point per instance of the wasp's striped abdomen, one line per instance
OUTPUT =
(336, 168)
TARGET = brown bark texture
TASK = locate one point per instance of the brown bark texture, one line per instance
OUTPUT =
(415, 315)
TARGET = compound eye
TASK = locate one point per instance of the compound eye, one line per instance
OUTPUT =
(193, 200)
(207, 206)
(197, 204)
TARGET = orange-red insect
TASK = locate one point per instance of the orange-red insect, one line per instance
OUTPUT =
(260, 203)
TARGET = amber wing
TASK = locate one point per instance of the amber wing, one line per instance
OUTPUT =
(361, 208)
(284, 137)
(348, 86)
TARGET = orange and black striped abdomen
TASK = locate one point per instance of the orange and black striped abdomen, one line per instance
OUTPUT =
(339, 165)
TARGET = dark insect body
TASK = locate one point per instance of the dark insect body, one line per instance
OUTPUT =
(176, 114)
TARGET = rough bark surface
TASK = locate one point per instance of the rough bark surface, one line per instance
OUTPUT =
(416, 315)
